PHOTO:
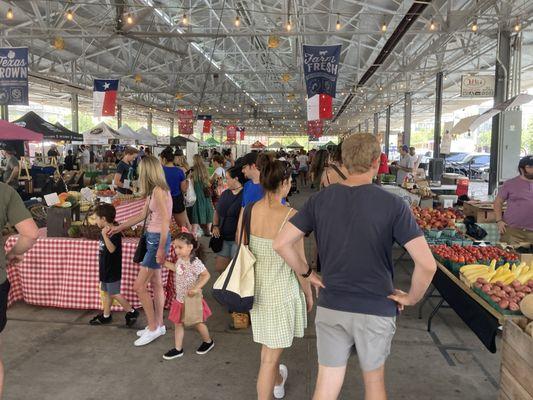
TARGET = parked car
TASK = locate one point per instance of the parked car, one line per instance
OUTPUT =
(473, 166)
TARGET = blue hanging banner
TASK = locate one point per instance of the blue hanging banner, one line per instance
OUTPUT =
(14, 76)
(321, 67)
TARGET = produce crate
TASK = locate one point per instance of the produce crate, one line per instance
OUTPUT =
(517, 364)
(481, 211)
(493, 304)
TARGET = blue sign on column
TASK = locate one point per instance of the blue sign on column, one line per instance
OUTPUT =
(14, 76)
(321, 67)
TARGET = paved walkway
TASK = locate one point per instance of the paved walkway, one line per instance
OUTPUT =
(53, 354)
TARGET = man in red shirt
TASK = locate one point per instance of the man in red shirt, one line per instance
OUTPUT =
(383, 167)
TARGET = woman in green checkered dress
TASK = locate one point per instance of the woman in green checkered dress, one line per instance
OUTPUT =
(281, 299)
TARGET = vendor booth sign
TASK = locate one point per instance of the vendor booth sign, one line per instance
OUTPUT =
(321, 67)
(477, 86)
(14, 76)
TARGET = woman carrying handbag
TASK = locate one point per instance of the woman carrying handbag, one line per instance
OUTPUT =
(281, 299)
(155, 245)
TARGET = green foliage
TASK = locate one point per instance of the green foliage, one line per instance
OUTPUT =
(527, 137)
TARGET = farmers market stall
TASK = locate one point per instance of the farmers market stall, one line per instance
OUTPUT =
(63, 273)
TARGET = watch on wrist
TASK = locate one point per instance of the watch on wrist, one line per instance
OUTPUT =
(308, 273)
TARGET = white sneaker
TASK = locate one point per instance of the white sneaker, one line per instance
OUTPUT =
(162, 328)
(148, 337)
(279, 390)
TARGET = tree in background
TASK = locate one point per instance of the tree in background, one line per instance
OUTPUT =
(527, 137)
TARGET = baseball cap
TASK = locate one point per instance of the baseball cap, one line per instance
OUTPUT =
(405, 147)
(526, 161)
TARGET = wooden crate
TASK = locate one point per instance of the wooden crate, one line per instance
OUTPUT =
(516, 381)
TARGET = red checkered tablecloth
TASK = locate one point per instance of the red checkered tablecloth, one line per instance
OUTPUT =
(129, 209)
(63, 273)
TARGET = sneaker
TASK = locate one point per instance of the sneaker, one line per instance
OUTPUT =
(279, 390)
(101, 320)
(172, 354)
(205, 347)
(162, 328)
(131, 317)
(148, 337)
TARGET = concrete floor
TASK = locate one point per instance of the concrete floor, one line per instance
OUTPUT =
(55, 354)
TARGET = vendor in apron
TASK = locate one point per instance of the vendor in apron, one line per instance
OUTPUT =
(125, 173)
(516, 224)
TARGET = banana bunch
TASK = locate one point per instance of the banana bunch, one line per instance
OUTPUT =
(523, 272)
(474, 271)
(507, 274)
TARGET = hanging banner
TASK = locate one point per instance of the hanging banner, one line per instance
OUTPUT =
(477, 86)
(231, 133)
(241, 131)
(320, 106)
(185, 122)
(315, 128)
(321, 67)
(105, 97)
(14, 76)
(204, 123)
(446, 142)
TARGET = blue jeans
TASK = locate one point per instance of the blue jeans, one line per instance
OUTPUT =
(152, 244)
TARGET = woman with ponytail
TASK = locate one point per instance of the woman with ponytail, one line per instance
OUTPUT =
(281, 298)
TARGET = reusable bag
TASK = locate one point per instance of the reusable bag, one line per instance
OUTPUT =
(193, 310)
(235, 287)
(142, 248)
(190, 195)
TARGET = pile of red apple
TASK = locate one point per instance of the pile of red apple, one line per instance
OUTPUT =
(435, 218)
(507, 296)
(472, 254)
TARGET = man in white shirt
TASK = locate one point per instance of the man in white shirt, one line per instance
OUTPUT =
(406, 164)
(303, 170)
(85, 157)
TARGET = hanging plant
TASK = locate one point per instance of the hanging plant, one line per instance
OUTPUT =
(273, 42)
(138, 78)
(59, 43)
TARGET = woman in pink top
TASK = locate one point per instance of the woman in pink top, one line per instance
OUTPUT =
(158, 210)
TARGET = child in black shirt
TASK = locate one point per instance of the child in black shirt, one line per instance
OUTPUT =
(110, 265)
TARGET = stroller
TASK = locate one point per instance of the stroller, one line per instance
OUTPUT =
(294, 181)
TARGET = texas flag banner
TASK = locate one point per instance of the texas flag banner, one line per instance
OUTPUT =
(241, 130)
(204, 123)
(105, 97)
(320, 106)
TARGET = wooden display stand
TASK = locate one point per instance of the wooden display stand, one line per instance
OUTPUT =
(23, 167)
(517, 364)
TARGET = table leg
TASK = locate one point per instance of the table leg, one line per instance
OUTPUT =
(427, 296)
(434, 312)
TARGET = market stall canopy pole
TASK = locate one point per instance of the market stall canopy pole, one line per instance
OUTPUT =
(9, 131)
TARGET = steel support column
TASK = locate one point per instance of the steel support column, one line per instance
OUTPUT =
(408, 108)
(366, 125)
(359, 128)
(119, 116)
(503, 58)
(171, 127)
(376, 122)
(438, 116)
(4, 111)
(387, 131)
(75, 125)
(149, 121)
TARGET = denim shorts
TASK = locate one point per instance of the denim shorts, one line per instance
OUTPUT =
(152, 244)
(229, 249)
(111, 288)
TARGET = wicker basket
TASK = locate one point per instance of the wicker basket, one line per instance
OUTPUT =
(240, 320)
(91, 232)
(39, 214)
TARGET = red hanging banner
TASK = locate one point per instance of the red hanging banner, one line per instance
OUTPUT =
(241, 131)
(185, 122)
(315, 128)
(231, 133)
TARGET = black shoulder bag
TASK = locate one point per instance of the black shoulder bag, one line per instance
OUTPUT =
(141, 249)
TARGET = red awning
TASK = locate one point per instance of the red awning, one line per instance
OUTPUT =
(9, 131)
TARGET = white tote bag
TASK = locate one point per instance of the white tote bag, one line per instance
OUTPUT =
(190, 196)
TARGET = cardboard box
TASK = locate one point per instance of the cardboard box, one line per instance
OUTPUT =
(481, 211)
(59, 220)
(527, 258)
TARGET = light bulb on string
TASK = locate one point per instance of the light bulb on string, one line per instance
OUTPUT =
(517, 26)
(289, 25)
(9, 14)
(185, 19)
(474, 26)
(338, 24)
(129, 19)
(384, 27)
(70, 15)
(432, 25)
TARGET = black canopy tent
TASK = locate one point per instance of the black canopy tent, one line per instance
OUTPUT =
(179, 141)
(36, 123)
(76, 137)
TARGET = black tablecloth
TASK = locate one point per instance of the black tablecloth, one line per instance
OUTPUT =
(480, 321)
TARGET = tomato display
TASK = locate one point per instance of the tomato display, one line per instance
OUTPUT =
(472, 254)
(436, 218)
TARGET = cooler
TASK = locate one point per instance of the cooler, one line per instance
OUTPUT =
(462, 186)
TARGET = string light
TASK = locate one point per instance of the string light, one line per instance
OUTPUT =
(338, 24)
(129, 19)
(432, 25)
(474, 26)
(9, 14)
(70, 15)
(289, 26)
(384, 27)
(185, 20)
(237, 21)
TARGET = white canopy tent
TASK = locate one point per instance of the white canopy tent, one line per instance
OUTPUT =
(128, 135)
(146, 137)
(100, 134)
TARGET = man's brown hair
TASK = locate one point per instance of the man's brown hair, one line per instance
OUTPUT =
(130, 150)
(359, 151)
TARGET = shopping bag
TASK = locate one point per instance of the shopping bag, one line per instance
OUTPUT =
(193, 311)
(190, 195)
(235, 287)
